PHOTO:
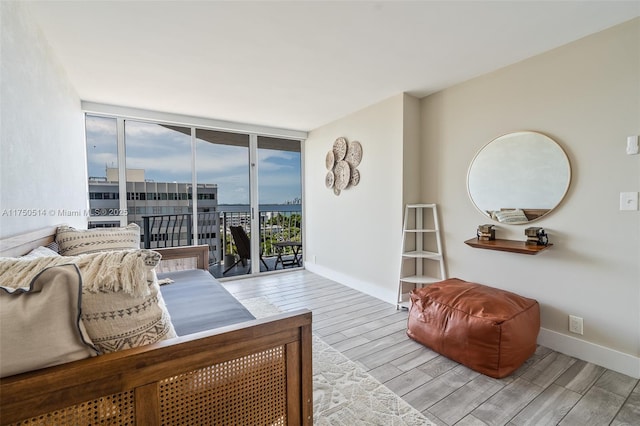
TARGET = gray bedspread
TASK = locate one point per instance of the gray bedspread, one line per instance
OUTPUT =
(196, 302)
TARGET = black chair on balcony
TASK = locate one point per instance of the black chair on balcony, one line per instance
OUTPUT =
(243, 246)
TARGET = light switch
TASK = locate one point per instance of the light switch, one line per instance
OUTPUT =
(632, 145)
(628, 201)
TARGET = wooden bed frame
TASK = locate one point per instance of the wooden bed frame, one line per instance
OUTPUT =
(256, 372)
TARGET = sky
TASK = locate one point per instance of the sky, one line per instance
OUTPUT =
(165, 155)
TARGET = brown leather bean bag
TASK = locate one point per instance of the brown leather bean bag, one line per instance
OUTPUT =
(487, 329)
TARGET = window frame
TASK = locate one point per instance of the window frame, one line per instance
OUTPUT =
(122, 114)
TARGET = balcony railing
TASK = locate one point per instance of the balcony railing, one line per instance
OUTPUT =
(275, 226)
(167, 230)
(172, 230)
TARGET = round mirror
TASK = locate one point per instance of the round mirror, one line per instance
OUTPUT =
(519, 177)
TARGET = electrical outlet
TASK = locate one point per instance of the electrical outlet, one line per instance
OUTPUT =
(575, 325)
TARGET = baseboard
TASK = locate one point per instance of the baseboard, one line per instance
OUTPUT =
(367, 287)
(590, 352)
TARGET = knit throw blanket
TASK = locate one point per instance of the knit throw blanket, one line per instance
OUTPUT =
(128, 271)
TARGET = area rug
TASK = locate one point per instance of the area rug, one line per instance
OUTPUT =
(343, 392)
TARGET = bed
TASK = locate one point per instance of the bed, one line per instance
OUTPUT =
(219, 371)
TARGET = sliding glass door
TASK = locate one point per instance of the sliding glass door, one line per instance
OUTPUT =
(222, 162)
(259, 189)
(280, 201)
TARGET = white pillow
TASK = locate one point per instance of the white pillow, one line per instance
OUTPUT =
(41, 251)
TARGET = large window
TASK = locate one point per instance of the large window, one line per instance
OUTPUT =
(186, 185)
(102, 165)
(158, 163)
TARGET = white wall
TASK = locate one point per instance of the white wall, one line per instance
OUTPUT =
(586, 96)
(355, 237)
(43, 163)
(412, 162)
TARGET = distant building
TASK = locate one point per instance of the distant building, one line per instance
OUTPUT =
(165, 206)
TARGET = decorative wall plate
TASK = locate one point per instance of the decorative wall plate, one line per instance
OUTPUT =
(342, 173)
(341, 161)
(330, 160)
(340, 148)
(355, 177)
(329, 179)
(354, 154)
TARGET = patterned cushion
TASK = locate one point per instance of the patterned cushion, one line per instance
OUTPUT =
(40, 325)
(117, 320)
(73, 241)
(511, 216)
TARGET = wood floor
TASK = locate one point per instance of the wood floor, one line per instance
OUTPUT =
(549, 389)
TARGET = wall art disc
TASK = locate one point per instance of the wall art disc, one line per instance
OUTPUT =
(330, 160)
(342, 173)
(329, 179)
(355, 177)
(340, 148)
(354, 154)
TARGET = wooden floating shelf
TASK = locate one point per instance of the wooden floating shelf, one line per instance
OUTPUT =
(511, 246)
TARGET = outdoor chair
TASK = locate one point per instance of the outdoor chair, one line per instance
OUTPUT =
(243, 246)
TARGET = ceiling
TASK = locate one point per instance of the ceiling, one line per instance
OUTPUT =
(299, 64)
